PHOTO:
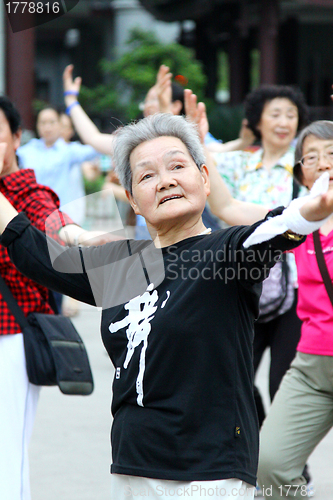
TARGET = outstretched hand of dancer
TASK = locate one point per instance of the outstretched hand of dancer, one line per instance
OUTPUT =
(163, 89)
(196, 112)
(318, 208)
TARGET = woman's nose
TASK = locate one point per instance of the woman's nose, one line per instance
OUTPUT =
(166, 180)
(283, 120)
(324, 163)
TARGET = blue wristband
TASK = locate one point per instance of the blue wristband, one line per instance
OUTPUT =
(71, 92)
(68, 109)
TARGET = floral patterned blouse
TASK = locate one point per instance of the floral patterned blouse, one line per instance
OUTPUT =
(248, 180)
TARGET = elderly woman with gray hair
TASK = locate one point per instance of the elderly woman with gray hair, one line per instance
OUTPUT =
(177, 318)
(302, 411)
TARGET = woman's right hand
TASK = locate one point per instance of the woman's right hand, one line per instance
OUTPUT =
(71, 85)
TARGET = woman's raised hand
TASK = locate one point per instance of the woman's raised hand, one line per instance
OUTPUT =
(71, 87)
(163, 89)
(196, 112)
(318, 208)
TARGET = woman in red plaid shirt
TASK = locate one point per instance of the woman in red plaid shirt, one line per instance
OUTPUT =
(18, 398)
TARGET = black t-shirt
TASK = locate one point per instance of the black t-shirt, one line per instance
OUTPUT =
(181, 344)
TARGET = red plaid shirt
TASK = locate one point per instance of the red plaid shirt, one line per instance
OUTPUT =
(38, 202)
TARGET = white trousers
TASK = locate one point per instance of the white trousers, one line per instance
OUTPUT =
(18, 404)
(133, 488)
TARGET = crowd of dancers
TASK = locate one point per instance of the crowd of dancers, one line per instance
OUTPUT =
(185, 340)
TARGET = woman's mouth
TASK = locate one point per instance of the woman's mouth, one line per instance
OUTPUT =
(171, 197)
(282, 135)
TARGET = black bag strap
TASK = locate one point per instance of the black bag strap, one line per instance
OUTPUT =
(322, 265)
(296, 187)
(12, 304)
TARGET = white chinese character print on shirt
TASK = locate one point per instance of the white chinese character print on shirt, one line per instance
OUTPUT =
(141, 310)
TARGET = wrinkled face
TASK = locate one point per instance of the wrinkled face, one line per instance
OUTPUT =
(317, 156)
(48, 126)
(12, 141)
(167, 186)
(66, 128)
(278, 123)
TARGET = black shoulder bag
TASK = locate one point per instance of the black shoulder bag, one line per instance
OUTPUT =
(55, 353)
(322, 266)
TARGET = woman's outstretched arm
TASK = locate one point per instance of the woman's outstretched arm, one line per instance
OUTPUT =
(222, 204)
(84, 126)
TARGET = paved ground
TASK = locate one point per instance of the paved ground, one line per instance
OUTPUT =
(70, 449)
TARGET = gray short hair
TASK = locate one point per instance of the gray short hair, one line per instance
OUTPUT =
(323, 129)
(162, 124)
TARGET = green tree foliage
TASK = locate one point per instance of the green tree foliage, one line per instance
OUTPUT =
(131, 76)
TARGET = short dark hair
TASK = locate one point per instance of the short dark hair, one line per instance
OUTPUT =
(11, 113)
(256, 100)
(53, 108)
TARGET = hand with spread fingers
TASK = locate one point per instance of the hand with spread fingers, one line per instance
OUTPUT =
(71, 87)
(318, 208)
(84, 126)
(163, 89)
(196, 112)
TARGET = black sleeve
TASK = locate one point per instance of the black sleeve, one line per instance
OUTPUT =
(253, 263)
(30, 250)
(95, 275)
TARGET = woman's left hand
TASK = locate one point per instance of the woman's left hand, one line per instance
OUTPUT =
(318, 208)
(71, 85)
(196, 112)
(163, 89)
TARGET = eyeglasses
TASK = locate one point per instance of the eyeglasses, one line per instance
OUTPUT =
(311, 160)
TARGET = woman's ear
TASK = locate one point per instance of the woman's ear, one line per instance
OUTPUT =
(17, 138)
(132, 202)
(206, 180)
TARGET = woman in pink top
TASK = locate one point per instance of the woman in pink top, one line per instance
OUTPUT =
(302, 411)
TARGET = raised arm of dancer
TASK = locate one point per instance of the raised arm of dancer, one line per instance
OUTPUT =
(84, 126)
(71, 234)
(222, 204)
(163, 89)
